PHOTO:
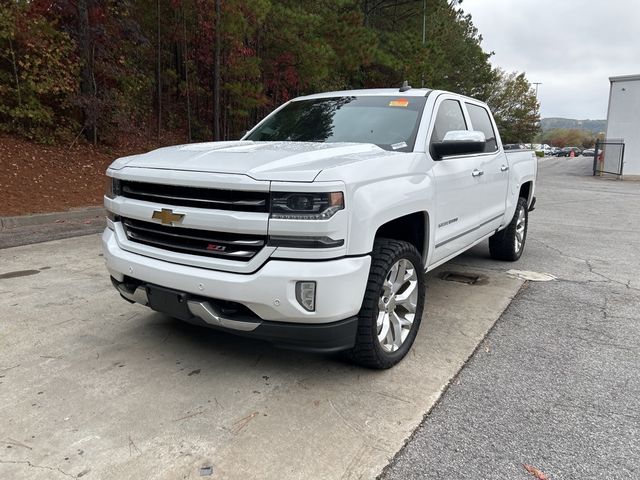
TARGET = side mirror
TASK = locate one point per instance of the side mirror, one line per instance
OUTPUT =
(459, 142)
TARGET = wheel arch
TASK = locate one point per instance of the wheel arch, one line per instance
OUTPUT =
(412, 228)
(526, 191)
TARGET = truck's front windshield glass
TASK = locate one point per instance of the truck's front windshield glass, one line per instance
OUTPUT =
(391, 122)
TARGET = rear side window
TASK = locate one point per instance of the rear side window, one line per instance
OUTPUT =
(481, 121)
(449, 117)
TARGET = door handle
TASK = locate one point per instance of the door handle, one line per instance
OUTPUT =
(504, 168)
(477, 173)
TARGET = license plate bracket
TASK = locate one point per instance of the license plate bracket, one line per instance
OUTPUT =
(168, 301)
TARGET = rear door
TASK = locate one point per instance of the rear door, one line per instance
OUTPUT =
(494, 167)
(458, 185)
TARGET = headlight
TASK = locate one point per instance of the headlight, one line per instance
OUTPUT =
(306, 206)
(111, 187)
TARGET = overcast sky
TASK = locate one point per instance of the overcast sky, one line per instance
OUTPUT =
(571, 46)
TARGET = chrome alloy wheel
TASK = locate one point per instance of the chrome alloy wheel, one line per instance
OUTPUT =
(521, 223)
(397, 305)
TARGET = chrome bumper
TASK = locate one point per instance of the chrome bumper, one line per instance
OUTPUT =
(202, 309)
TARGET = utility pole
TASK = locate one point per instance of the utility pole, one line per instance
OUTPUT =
(537, 84)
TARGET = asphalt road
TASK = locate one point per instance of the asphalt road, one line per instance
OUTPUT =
(556, 383)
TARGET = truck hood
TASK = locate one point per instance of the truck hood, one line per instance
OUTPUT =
(275, 161)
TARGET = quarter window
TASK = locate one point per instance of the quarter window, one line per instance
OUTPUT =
(481, 121)
(449, 118)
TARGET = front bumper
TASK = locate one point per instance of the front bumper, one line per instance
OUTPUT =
(269, 293)
(325, 337)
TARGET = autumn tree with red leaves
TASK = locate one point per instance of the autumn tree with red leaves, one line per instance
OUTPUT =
(213, 68)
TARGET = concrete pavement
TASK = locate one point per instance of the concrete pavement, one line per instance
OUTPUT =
(93, 387)
(556, 383)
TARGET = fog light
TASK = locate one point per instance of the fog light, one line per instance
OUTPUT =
(306, 295)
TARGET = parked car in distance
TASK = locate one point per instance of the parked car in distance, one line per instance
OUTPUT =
(589, 152)
(566, 152)
(555, 151)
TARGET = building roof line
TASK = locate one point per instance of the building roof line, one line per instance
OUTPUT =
(624, 78)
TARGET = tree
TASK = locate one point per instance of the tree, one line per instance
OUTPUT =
(568, 137)
(38, 74)
(87, 76)
(216, 74)
(212, 68)
(515, 107)
(452, 58)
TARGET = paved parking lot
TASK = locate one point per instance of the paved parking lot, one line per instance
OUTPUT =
(556, 383)
(93, 387)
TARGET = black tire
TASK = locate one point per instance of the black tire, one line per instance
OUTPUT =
(368, 351)
(502, 245)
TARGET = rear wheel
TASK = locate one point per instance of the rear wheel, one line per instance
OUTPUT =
(508, 244)
(392, 307)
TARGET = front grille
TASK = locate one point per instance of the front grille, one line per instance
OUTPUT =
(236, 200)
(230, 246)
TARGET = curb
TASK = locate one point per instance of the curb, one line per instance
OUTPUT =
(45, 218)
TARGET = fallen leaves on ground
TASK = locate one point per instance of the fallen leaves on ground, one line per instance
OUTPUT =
(39, 178)
(535, 472)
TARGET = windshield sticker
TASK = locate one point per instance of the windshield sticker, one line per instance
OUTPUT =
(400, 102)
(396, 146)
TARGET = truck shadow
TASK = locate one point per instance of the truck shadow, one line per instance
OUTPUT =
(214, 349)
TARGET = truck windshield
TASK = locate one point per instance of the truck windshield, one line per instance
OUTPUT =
(389, 122)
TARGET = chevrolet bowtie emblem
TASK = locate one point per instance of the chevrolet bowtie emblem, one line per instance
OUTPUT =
(167, 217)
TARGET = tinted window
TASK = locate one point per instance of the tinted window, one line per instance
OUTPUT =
(481, 121)
(389, 122)
(450, 117)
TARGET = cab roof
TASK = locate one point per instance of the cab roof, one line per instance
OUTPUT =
(370, 92)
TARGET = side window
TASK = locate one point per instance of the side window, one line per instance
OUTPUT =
(481, 121)
(449, 117)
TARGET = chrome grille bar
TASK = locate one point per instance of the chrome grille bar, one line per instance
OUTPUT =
(241, 247)
(236, 200)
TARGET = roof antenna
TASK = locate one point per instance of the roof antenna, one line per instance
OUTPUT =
(405, 86)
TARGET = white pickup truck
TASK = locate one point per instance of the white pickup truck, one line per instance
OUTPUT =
(314, 231)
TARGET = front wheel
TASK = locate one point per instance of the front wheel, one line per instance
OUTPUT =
(508, 244)
(392, 307)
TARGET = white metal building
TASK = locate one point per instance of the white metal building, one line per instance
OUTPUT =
(623, 120)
